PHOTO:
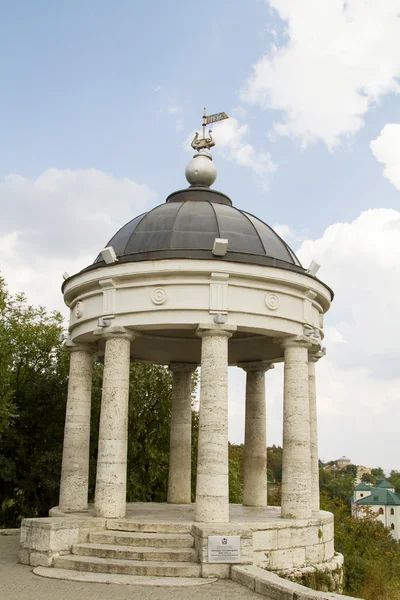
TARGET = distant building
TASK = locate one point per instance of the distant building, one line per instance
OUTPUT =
(343, 462)
(361, 470)
(382, 500)
(338, 465)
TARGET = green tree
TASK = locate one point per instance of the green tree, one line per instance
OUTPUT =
(274, 492)
(274, 463)
(236, 473)
(33, 387)
(395, 480)
(33, 368)
(378, 472)
(7, 407)
(149, 416)
(149, 433)
(368, 478)
(371, 555)
(195, 440)
(350, 470)
(337, 484)
(274, 474)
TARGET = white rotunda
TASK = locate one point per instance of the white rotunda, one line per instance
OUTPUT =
(195, 282)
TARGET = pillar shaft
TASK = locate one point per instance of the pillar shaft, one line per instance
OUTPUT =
(212, 491)
(75, 459)
(313, 439)
(180, 453)
(296, 467)
(313, 358)
(255, 439)
(110, 496)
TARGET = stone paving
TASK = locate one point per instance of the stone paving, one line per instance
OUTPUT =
(17, 582)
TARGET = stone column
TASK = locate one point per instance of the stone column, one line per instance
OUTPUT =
(212, 491)
(110, 495)
(296, 467)
(255, 435)
(180, 453)
(314, 357)
(75, 459)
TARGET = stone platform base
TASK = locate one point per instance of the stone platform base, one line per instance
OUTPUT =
(326, 577)
(285, 546)
(276, 588)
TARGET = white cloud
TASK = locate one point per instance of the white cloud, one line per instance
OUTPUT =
(173, 110)
(239, 111)
(386, 149)
(359, 260)
(333, 336)
(231, 143)
(59, 222)
(38, 276)
(62, 211)
(358, 382)
(337, 59)
(177, 111)
(283, 231)
(171, 107)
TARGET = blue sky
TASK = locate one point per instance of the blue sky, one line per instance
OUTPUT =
(78, 91)
(99, 98)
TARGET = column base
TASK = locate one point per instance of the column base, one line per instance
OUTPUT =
(212, 510)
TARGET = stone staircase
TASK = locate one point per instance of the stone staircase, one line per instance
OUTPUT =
(138, 549)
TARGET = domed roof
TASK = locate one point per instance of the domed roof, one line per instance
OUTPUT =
(186, 225)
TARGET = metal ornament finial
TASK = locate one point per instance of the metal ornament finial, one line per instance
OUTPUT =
(205, 143)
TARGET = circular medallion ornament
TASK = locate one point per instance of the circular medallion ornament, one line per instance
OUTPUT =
(272, 301)
(78, 309)
(158, 296)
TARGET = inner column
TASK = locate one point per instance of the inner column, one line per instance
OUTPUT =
(212, 491)
(255, 437)
(296, 459)
(110, 495)
(180, 453)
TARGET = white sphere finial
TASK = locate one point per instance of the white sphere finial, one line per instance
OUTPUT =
(201, 170)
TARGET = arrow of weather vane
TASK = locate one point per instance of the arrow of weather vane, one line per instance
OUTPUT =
(205, 143)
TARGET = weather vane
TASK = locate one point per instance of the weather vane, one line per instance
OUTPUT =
(205, 143)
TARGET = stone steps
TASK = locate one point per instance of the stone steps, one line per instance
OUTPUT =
(135, 553)
(140, 526)
(94, 564)
(135, 549)
(134, 538)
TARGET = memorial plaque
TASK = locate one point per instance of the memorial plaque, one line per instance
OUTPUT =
(224, 548)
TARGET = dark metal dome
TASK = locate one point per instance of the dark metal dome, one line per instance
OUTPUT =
(186, 227)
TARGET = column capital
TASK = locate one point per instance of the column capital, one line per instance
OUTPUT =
(296, 341)
(182, 367)
(256, 365)
(314, 355)
(115, 331)
(212, 329)
(80, 347)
